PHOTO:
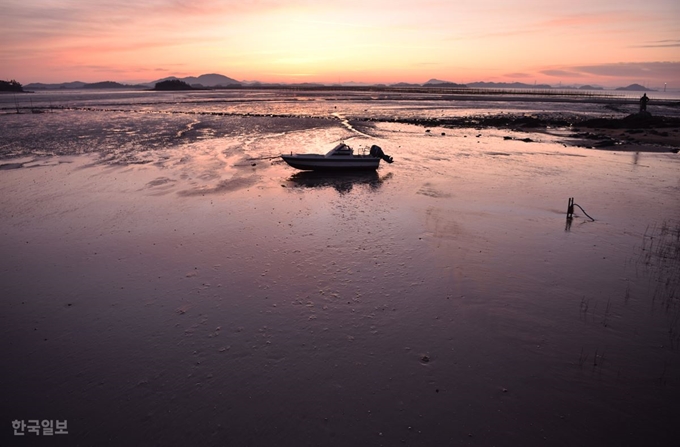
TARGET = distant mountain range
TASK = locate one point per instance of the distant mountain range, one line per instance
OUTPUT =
(438, 83)
(82, 85)
(204, 80)
(214, 80)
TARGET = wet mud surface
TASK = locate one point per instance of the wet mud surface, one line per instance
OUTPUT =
(632, 133)
(168, 280)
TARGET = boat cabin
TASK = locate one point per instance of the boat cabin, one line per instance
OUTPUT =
(340, 149)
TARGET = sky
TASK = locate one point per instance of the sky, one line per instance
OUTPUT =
(600, 42)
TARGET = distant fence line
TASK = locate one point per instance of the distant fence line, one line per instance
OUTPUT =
(428, 93)
(450, 90)
(472, 93)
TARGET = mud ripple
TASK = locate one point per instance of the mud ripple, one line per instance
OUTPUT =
(430, 191)
(224, 186)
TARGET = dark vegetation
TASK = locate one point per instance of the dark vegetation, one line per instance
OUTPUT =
(172, 84)
(10, 86)
(107, 84)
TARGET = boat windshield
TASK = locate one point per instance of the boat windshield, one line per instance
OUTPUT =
(340, 149)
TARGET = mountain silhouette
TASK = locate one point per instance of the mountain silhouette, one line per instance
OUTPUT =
(205, 80)
(439, 83)
(636, 88)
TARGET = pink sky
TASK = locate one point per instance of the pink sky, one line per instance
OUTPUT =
(605, 42)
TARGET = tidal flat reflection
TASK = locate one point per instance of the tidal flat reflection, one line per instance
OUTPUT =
(343, 182)
(168, 280)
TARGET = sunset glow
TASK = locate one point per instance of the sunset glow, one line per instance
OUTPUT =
(603, 42)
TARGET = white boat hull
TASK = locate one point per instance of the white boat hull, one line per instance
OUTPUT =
(340, 158)
(310, 162)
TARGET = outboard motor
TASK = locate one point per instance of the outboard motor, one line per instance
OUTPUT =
(378, 153)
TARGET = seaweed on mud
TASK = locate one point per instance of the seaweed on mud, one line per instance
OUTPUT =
(634, 121)
(660, 257)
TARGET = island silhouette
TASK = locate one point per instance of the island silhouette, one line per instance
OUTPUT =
(173, 84)
(10, 86)
(214, 80)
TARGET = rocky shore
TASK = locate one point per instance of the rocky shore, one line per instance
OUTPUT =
(636, 132)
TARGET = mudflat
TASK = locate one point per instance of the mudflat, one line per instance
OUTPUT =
(168, 280)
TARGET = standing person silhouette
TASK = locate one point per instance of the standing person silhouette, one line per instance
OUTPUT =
(643, 103)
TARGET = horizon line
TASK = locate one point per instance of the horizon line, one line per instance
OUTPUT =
(430, 82)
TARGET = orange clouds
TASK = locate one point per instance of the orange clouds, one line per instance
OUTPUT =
(364, 41)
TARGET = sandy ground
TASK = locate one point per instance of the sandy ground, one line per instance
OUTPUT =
(209, 294)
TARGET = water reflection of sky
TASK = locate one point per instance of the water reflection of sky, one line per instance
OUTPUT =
(214, 280)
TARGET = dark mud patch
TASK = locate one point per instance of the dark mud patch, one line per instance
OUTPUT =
(524, 140)
(36, 163)
(160, 181)
(559, 154)
(636, 132)
(8, 166)
(634, 121)
(495, 154)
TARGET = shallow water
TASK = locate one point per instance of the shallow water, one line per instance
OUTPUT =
(168, 280)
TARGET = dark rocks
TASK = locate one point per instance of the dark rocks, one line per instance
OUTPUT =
(643, 120)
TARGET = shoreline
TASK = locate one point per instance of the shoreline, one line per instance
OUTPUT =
(633, 133)
(612, 127)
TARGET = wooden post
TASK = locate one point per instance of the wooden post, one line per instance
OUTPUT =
(570, 208)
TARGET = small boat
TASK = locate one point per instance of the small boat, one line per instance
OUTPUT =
(340, 158)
